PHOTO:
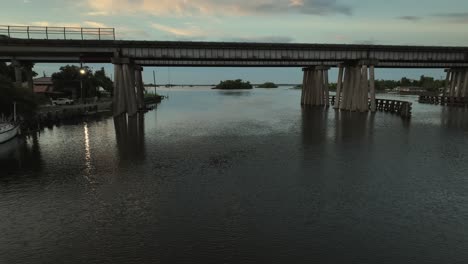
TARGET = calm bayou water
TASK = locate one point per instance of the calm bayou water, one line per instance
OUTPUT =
(239, 177)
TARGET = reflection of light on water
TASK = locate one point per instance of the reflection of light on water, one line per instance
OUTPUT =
(87, 154)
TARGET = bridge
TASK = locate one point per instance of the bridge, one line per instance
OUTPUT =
(356, 63)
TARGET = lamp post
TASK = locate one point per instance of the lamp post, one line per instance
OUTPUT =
(82, 72)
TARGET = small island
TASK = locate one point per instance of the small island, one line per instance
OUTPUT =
(233, 85)
(268, 85)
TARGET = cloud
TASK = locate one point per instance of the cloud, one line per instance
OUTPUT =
(95, 24)
(216, 7)
(188, 31)
(410, 18)
(271, 39)
(458, 17)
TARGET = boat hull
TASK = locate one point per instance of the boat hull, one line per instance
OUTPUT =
(8, 134)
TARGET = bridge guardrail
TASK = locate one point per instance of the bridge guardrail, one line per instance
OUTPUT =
(38, 32)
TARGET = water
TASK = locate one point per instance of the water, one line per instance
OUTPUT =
(239, 177)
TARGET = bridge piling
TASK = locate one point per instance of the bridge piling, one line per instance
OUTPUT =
(339, 84)
(465, 84)
(372, 88)
(18, 74)
(315, 90)
(140, 87)
(125, 99)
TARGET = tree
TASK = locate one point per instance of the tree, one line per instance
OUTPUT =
(233, 84)
(101, 80)
(69, 79)
(268, 85)
(26, 101)
(9, 70)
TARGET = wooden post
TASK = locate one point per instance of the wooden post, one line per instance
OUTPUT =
(372, 88)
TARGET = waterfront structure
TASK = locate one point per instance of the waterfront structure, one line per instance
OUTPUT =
(356, 63)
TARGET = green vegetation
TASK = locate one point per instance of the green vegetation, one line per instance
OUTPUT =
(268, 85)
(68, 80)
(26, 101)
(428, 83)
(233, 84)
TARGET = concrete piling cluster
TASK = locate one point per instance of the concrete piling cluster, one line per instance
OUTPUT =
(128, 87)
(356, 83)
(315, 91)
(456, 83)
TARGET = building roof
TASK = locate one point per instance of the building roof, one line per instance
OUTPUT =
(43, 81)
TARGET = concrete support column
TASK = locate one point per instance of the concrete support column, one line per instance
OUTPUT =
(140, 87)
(364, 98)
(373, 106)
(345, 88)
(349, 88)
(460, 78)
(453, 81)
(119, 103)
(447, 83)
(356, 88)
(129, 80)
(326, 94)
(310, 86)
(18, 72)
(339, 85)
(304, 79)
(29, 76)
(465, 84)
(124, 87)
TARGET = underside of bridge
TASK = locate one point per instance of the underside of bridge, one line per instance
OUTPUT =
(356, 63)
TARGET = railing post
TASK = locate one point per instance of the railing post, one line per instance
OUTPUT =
(113, 32)
(99, 33)
(9, 32)
(47, 32)
(82, 34)
(64, 33)
(27, 30)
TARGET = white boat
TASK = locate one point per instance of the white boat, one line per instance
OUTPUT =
(8, 131)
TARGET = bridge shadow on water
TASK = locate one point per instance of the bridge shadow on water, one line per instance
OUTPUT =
(452, 117)
(130, 137)
(321, 126)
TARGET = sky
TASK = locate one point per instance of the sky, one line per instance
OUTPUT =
(399, 22)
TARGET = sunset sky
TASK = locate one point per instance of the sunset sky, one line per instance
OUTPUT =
(409, 22)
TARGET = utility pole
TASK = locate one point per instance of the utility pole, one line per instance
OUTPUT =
(81, 81)
(154, 82)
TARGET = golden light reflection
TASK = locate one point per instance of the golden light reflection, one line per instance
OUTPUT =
(88, 166)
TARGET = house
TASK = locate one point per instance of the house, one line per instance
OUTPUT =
(409, 90)
(45, 86)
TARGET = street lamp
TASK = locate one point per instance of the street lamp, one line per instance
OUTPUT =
(82, 72)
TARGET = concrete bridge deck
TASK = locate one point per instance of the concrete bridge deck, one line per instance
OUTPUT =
(178, 53)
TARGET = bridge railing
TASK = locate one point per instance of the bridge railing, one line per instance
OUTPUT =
(38, 32)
